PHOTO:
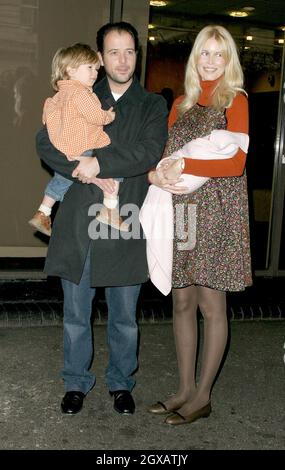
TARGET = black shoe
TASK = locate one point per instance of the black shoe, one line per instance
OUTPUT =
(123, 402)
(72, 402)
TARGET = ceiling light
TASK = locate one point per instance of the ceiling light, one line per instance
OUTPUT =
(249, 38)
(283, 28)
(157, 3)
(238, 14)
(280, 41)
(151, 38)
(248, 8)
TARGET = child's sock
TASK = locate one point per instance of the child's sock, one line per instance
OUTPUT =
(45, 209)
(110, 203)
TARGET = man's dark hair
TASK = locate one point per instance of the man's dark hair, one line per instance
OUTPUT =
(121, 26)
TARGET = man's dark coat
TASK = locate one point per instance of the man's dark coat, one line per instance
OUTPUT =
(138, 135)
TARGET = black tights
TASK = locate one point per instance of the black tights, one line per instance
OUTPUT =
(212, 304)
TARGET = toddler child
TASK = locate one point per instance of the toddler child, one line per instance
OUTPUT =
(74, 120)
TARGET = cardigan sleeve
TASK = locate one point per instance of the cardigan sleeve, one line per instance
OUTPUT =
(237, 121)
(90, 108)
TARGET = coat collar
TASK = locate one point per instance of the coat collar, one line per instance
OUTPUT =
(133, 94)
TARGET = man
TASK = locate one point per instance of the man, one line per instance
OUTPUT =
(138, 136)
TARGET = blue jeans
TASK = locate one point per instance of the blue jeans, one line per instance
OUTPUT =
(59, 185)
(122, 334)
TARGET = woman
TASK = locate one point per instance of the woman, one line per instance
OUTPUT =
(220, 260)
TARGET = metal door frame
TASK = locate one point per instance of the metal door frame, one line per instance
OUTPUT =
(278, 190)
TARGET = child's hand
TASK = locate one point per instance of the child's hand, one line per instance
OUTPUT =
(111, 113)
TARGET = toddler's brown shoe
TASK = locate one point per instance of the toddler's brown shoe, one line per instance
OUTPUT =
(113, 218)
(41, 222)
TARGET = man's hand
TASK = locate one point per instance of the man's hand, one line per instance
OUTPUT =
(87, 169)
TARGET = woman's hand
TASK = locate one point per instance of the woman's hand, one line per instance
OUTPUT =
(158, 178)
(87, 169)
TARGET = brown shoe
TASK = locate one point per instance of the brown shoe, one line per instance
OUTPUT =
(176, 418)
(113, 218)
(41, 222)
(159, 408)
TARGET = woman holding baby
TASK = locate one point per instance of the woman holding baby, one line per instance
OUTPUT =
(219, 260)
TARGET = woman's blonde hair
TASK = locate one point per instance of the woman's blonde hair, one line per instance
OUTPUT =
(232, 81)
(72, 56)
